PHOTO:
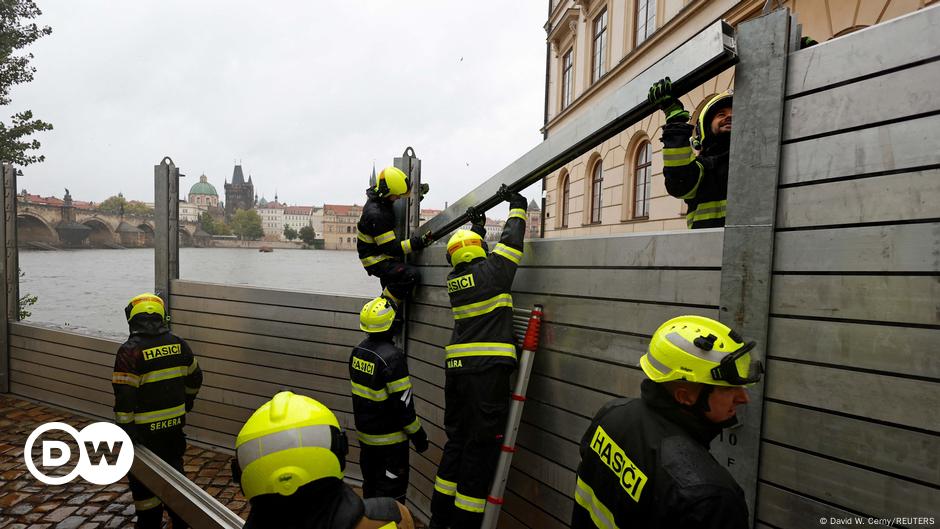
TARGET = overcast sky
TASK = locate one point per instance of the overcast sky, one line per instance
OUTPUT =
(306, 94)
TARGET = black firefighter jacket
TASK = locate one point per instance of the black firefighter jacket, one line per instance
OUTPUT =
(481, 302)
(375, 232)
(156, 379)
(702, 181)
(383, 406)
(645, 464)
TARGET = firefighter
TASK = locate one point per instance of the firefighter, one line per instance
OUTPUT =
(156, 379)
(290, 457)
(479, 360)
(701, 181)
(380, 251)
(383, 404)
(645, 462)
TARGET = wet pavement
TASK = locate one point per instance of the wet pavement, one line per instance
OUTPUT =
(26, 503)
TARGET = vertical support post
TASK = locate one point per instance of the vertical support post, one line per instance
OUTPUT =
(9, 271)
(408, 214)
(747, 258)
(166, 229)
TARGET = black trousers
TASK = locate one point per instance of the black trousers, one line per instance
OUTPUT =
(397, 278)
(384, 470)
(149, 507)
(476, 408)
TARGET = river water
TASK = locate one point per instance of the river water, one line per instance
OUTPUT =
(86, 290)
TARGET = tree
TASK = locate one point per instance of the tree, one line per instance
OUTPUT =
(247, 224)
(26, 301)
(15, 144)
(118, 205)
(307, 235)
(211, 226)
(290, 233)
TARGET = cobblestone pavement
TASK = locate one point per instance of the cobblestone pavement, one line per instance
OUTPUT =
(26, 503)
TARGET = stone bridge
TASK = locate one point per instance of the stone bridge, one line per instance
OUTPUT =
(42, 224)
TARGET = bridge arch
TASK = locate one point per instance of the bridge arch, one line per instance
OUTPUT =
(147, 230)
(186, 238)
(102, 234)
(33, 228)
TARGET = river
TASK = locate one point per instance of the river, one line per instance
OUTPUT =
(86, 290)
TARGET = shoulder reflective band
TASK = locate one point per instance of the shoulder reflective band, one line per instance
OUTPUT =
(125, 378)
(364, 237)
(160, 415)
(163, 374)
(406, 246)
(512, 254)
(706, 211)
(192, 367)
(677, 156)
(413, 427)
(482, 307)
(447, 488)
(383, 238)
(382, 439)
(463, 350)
(600, 514)
(369, 261)
(377, 395)
(317, 435)
(517, 213)
(469, 503)
(398, 385)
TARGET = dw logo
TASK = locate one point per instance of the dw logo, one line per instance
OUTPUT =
(105, 453)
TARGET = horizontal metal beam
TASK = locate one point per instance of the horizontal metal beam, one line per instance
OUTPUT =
(180, 495)
(697, 60)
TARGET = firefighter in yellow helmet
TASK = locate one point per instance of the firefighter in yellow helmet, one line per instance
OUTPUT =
(700, 180)
(290, 457)
(155, 380)
(479, 360)
(383, 404)
(380, 251)
(645, 462)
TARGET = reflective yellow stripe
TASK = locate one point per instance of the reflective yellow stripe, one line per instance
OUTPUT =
(600, 514)
(398, 385)
(469, 503)
(149, 503)
(163, 374)
(369, 261)
(192, 367)
(406, 246)
(160, 415)
(389, 525)
(512, 254)
(121, 417)
(125, 378)
(413, 427)
(482, 307)
(382, 440)
(383, 238)
(368, 393)
(707, 210)
(694, 191)
(191, 391)
(463, 350)
(445, 487)
(364, 238)
(518, 213)
(677, 156)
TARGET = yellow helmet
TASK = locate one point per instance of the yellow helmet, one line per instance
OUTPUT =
(377, 315)
(700, 349)
(289, 441)
(465, 246)
(703, 133)
(391, 181)
(146, 303)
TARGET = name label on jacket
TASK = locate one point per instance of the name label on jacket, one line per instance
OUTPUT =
(362, 365)
(161, 351)
(631, 478)
(459, 283)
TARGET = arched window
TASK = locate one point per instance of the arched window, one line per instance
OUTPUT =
(565, 197)
(642, 180)
(597, 183)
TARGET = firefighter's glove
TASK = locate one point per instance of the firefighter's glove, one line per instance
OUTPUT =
(420, 440)
(420, 242)
(517, 201)
(476, 216)
(661, 97)
(806, 42)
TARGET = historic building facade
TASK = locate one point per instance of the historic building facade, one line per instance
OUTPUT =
(339, 226)
(239, 194)
(596, 46)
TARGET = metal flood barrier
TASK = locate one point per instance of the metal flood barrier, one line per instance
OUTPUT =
(829, 260)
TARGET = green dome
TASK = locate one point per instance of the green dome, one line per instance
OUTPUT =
(203, 187)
